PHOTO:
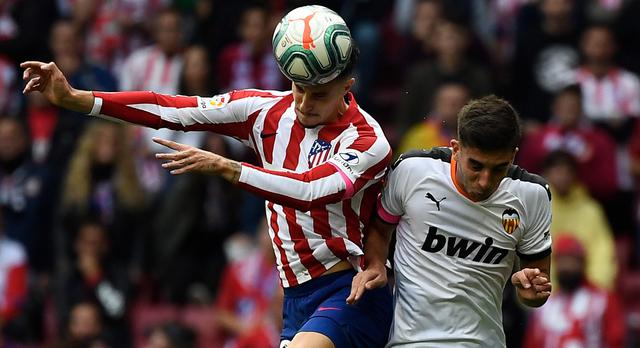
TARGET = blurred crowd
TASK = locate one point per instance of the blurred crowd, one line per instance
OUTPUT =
(100, 247)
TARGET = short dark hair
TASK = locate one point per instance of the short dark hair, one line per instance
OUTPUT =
(349, 69)
(489, 124)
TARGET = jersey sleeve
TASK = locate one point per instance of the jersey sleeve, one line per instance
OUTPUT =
(536, 240)
(346, 173)
(390, 204)
(230, 113)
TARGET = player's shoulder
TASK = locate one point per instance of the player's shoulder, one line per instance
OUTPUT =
(434, 156)
(528, 184)
(258, 93)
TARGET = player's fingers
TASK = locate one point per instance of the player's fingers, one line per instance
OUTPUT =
(356, 283)
(543, 294)
(520, 279)
(32, 64)
(175, 164)
(531, 272)
(170, 144)
(32, 85)
(376, 282)
(185, 169)
(174, 156)
(543, 287)
(26, 73)
(539, 280)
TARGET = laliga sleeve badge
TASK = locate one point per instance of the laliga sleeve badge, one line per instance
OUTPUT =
(215, 102)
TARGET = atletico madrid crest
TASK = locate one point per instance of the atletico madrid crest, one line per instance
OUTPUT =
(319, 153)
(510, 220)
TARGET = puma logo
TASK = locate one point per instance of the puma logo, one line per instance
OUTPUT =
(437, 202)
(307, 40)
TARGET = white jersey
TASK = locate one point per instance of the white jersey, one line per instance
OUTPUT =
(454, 256)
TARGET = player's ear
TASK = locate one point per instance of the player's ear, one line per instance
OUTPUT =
(348, 84)
(455, 147)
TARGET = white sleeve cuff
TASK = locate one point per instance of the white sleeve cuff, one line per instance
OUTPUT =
(97, 106)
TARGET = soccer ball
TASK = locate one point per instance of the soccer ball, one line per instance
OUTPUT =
(312, 45)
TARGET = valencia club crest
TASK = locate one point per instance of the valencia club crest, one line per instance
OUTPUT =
(510, 220)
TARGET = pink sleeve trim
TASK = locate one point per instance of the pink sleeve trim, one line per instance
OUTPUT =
(350, 189)
(385, 215)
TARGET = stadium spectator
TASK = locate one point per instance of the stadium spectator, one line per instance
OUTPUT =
(451, 65)
(441, 125)
(249, 63)
(54, 131)
(25, 27)
(322, 159)
(171, 335)
(25, 195)
(426, 16)
(611, 94)
(96, 278)
(579, 314)
(249, 303)
(196, 77)
(568, 130)
(13, 277)
(101, 181)
(481, 218)
(576, 214)
(189, 229)
(84, 329)
(546, 55)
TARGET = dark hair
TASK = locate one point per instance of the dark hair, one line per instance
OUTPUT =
(489, 124)
(560, 158)
(350, 68)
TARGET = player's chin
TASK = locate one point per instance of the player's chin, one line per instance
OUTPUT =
(309, 121)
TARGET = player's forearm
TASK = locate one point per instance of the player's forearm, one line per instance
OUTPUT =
(317, 187)
(376, 247)
(77, 100)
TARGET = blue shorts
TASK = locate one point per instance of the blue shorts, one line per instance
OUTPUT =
(319, 305)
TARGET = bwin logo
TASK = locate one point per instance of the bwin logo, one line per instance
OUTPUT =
(463, 248)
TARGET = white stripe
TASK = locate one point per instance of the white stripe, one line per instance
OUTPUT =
(276, 250)
(283, 138)
(97, 106)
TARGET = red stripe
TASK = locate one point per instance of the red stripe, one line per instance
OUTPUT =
(241, 94)
(353, 223)
(293, 148)
(291, 277)
(292, 202)
(316, 173)
(176, 101)
(15, 292)
(301, 245)
(322, 227)
(271, 126)
(123, 112)
(371, 173)
(366, 134)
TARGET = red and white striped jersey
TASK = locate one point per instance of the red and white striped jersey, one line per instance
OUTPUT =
(611, 97)
(320, 183)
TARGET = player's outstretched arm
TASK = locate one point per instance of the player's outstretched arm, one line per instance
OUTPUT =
(188, 159)
(532, 282)
(47, 79)
(376, 250)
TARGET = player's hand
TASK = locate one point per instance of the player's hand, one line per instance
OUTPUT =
(187, 159)
(532, 285)
(375, 276)
(47, 79)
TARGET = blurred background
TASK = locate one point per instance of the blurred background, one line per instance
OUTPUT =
(100, 247)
